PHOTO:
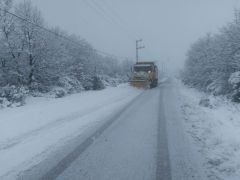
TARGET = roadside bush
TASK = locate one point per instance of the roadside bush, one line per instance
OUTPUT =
(114, 81)
(97, 83)
(236, 97)
(13, 96)
(36, 87)
(234, 81)
(70, 84)
(59, 92)
(87, 83)
(4, 102)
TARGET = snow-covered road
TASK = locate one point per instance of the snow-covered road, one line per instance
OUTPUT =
(33, 132)
(119, 133)
(127, 150)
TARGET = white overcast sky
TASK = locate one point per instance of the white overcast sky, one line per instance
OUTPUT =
(168, 27)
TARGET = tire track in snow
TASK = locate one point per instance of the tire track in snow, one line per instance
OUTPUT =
(19, 139)
(163, 171)
(71, 157)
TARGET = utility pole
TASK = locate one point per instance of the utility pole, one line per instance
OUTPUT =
(138, 48)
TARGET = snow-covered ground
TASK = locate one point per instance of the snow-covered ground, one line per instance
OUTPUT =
(29, 133)
(214, 130)
(186, 162)
(204, 138)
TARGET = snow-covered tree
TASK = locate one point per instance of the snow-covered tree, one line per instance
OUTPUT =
(38, 58)
(213, 59)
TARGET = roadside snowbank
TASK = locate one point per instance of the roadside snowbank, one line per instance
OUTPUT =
(29, 133)
(215, 130)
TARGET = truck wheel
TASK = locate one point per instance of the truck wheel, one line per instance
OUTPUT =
(156, 82)
(153, 84)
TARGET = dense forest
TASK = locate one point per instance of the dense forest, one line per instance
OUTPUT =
(213, 62)
(36, 59)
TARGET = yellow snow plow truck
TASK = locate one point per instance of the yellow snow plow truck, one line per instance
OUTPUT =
(144, 75)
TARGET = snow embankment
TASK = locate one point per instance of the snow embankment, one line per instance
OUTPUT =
(214, 126)
(30, 133)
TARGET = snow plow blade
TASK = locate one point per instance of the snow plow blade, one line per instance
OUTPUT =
(139, 83)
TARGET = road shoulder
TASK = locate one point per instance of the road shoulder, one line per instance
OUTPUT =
(186, 163)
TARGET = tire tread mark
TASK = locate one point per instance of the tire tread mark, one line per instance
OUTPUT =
(163, 171)
(69, 159)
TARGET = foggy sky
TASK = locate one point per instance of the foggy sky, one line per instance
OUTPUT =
(168, 27)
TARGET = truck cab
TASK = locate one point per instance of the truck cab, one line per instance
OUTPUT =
(145, 74)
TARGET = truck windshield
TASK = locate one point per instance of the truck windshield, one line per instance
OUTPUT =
(142, 68)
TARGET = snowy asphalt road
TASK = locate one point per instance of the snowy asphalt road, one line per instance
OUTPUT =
(132, 145)
(126, 150)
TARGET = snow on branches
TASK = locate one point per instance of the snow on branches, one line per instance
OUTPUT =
(213, 62)
(41, 60)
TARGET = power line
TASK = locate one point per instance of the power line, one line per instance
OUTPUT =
(117, 20)
(95, 6)
(120, 18)
(102, 10)
(55, 33)
(91, 6)
(98, 9)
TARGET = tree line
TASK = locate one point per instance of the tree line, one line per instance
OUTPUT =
(213, 62)
(38, 60)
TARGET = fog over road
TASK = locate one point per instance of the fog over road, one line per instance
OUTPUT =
(145, 140)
